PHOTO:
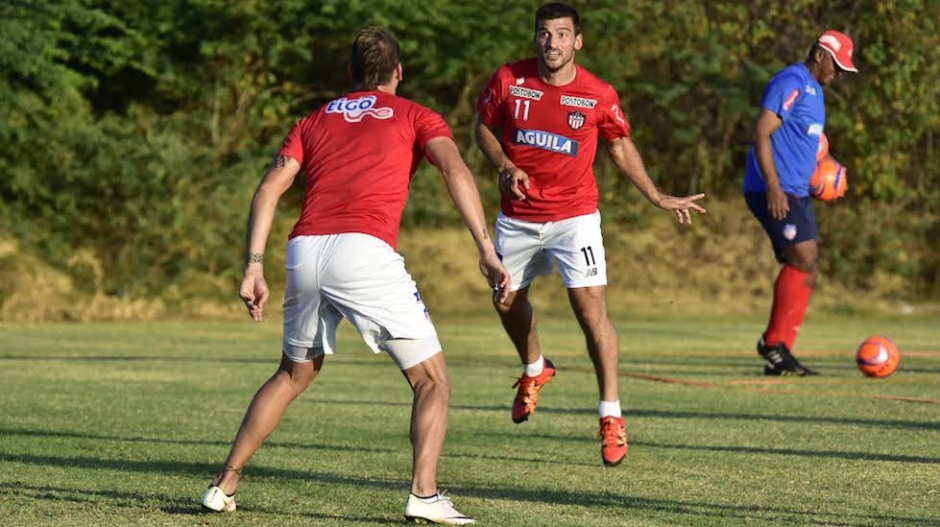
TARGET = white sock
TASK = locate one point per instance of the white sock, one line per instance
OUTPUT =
(609, 408)
(534, 369)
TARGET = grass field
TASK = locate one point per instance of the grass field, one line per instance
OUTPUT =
(121, 424)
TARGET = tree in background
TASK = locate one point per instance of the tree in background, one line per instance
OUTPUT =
(136, 130)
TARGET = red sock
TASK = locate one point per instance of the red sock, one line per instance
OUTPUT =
(791, 296)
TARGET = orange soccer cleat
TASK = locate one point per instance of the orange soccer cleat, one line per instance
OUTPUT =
(528, 393)
(613, 435)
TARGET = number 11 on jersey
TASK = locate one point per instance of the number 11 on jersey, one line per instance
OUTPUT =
(525, 111)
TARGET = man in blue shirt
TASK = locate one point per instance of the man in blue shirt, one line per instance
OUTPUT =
(780, 164)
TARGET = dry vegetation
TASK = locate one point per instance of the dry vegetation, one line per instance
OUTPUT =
(722, 265)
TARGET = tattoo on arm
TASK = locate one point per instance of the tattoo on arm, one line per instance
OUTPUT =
(255, 258)
(279, 162)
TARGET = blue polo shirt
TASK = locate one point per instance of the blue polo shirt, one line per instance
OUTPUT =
(795, 96)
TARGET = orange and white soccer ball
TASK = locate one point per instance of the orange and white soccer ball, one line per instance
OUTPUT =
(829, 181)
(877, 356)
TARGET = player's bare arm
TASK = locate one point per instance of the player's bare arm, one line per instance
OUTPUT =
(628, 161)
(444, 154)
(276, 180)
(767, 123)
(511, 179)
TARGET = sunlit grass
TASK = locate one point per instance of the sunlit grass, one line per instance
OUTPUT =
(118, 424)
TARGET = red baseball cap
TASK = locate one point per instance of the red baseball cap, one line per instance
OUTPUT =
(840, 47)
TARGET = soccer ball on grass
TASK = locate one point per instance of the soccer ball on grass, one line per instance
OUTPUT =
(877, 356)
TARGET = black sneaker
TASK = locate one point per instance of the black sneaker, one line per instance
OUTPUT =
(780, 361)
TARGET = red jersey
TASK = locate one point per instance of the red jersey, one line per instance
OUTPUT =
(359, 152)
(550, 132)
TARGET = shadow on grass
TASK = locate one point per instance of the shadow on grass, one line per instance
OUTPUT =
(617, 502)
(273, 360)
(662, 414)
(316, 446)
(834, 454)
(189, 442)
(175, 505)
(849, 421)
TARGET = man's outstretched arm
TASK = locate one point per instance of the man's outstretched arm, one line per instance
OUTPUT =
(628, 161)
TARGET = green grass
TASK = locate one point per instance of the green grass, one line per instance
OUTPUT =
(120, 424)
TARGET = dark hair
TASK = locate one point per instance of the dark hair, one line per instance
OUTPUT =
(375, 54)
(811, 56)
(557, 10)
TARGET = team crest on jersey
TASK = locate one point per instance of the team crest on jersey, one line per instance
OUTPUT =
(546, 141)
(354, 110)
(789, 231)
(578, 102)
(526, 93)
(576, 119)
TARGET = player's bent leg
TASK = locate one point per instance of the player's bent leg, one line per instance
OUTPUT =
(792, 291)
(518, 319)
(262, 417)
(805, 257)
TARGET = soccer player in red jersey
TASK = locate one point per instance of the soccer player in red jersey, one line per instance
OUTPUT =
(359, 153)
(539, 121)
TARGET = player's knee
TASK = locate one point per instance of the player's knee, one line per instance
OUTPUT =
(504, 309)
(514, 304)
(596, 322)
(437, 386)
(298, 375)
(813, 275)
(803, 263)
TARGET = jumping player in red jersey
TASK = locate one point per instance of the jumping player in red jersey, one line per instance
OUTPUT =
(539, 121)
(359, 153)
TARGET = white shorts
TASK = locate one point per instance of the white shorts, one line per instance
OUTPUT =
(359, 277)
(530, 249)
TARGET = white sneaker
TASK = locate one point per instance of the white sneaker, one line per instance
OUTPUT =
(216, 500)
(436, 509)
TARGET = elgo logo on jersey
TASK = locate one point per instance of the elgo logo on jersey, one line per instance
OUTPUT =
(546, 141)
(576, 120)
(354, 110)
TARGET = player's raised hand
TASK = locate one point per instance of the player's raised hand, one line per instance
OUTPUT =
(496, 276)
(254, 292)
(681, 206)
(512, 181)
